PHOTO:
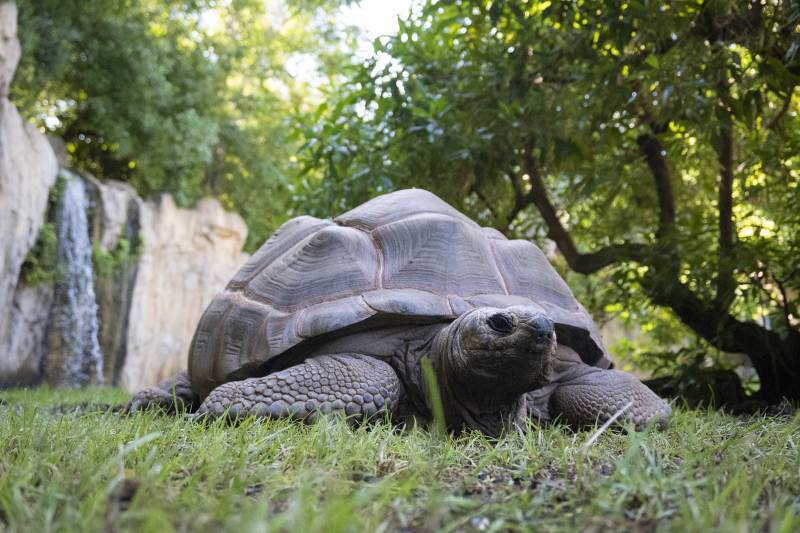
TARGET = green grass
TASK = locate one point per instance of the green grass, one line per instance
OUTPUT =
(66, 465)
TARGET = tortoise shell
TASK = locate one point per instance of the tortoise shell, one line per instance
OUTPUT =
(402, 256)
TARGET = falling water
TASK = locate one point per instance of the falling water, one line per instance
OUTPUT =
(74, 348)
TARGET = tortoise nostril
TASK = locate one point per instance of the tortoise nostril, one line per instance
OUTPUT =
(543, 328)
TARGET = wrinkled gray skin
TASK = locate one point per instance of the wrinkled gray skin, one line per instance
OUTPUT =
(495, 368)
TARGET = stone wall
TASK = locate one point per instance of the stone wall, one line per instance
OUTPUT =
(116, 232)
(28, 169)
(188, 256)
(163, 264)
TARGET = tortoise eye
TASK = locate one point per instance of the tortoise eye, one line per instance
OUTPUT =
(501, 323)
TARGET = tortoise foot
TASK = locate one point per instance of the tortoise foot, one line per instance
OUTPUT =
(172, 395)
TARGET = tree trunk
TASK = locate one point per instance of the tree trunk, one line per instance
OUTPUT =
(776, 360)
(777, 366)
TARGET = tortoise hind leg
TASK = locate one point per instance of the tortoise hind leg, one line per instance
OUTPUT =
(353, 384)
(595, 396)
(171, 395)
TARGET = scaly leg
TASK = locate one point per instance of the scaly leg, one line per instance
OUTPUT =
(353, 384)
(595, 395)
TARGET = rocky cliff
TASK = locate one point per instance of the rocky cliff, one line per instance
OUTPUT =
(120, 281)
(187, 257)
(28, 169)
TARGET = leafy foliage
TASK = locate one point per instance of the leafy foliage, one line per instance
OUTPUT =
(190, 97)
(41, 262)
(106, 262)
(656, 143)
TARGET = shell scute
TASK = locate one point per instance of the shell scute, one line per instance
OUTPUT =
(408, 302)
(244, 318)
(438, 254)
(394, 206)
(332, 316)
(328, 264)
(283, 239)
(528, 272)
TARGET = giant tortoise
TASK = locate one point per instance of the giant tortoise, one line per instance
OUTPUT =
(340, 315)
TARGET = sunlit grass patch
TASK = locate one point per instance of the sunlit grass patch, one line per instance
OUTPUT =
(69, 463)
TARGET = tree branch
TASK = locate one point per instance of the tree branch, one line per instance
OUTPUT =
(654, 153)
(764, 347)
(775, 121)
(725, 280)
(583, 263)
(786, 305)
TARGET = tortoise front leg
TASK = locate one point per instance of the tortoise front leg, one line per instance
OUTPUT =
(353, 384)
(594, 396)
(171, 395)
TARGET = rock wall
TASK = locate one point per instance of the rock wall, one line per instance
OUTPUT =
(188, 256)
(155, 266)
(150, 295)
(116, 233)
(23, 348)
(28, 169)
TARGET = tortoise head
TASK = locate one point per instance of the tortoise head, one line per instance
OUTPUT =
(489, 357)
(509, 349)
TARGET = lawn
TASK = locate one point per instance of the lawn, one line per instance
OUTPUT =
(67, 463)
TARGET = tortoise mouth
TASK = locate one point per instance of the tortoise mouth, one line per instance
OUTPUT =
(523, 371)
(542, 333)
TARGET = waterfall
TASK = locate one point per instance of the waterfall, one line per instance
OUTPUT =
(74, 355)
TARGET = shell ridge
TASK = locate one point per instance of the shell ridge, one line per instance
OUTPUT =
(450, 305)
(379, 253)
(298, 317)
(497, 267)
(241, 285)
(363, 299)
(282, 258)
(420, 214)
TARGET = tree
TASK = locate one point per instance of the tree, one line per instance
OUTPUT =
(191, 97)
(655, 143)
